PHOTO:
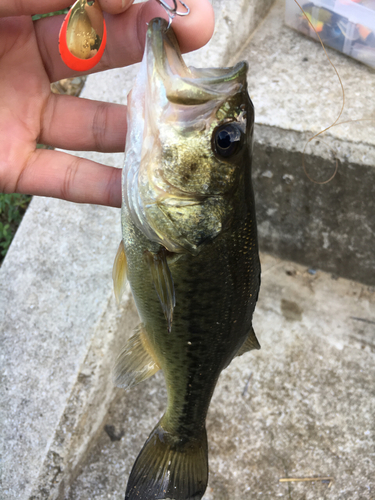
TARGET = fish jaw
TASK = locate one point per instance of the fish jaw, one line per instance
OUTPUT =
(173, 183)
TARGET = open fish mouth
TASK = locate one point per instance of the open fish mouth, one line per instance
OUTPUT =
(170, 168)
(185, 85)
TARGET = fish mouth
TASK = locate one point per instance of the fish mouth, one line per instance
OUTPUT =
(182, 84)
(172, 104)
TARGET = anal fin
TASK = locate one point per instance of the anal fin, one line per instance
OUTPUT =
(136, 361)
(250, 343)
(119, 272)
(163, 282)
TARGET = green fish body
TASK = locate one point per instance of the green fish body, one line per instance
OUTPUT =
(189, 251)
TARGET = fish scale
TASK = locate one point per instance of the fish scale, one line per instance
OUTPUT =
(189, 250)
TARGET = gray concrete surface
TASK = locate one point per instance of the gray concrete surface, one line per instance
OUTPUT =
(55, 287)
(302, 406)
(309, 404)
(296, 94)
(59, 326)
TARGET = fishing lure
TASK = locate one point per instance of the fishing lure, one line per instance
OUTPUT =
(83, 34)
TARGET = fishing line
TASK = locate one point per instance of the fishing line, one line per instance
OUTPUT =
(336, 122)
(339, 116)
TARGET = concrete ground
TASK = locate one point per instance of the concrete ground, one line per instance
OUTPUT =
(303, 406)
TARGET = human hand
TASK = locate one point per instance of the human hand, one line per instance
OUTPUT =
(31, 114)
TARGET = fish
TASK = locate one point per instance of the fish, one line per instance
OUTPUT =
(189, 251)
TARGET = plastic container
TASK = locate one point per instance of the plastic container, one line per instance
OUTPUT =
(345, 25)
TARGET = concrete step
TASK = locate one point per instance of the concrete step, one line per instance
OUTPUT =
(296, 94)
(60, 328)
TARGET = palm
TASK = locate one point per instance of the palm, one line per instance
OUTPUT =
(29, 113)
(24, 93)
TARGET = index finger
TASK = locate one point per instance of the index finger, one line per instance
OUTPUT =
(126, 35)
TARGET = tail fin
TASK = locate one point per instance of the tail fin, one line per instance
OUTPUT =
(168, 469)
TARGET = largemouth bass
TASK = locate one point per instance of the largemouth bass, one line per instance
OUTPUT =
(189, 251)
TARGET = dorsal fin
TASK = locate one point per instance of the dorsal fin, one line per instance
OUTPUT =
(119, 272)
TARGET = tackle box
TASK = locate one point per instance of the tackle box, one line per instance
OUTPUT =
(345, 25)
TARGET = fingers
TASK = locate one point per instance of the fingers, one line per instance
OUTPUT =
(30, 7)
(60, 175)
(126, 35)
(100, 126)
(115, 6)
(83, 125)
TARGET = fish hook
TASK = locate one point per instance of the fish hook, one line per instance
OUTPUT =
(172, 11)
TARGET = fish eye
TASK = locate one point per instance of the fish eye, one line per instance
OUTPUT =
(226, 140)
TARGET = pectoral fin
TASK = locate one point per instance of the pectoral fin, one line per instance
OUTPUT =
(250, 343)
(136, 362)
(163, 282)
(119, 272)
